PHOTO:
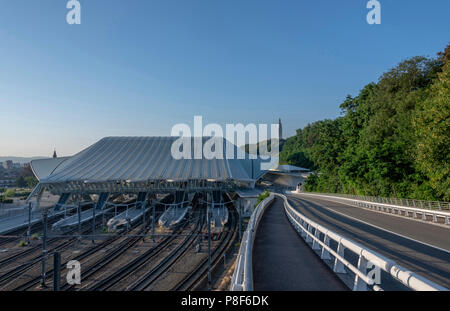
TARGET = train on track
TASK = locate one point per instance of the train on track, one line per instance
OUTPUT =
(173, 216)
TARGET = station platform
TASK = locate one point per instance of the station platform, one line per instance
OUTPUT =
(282, 261)
(20, 221)
(86, 216)
(13, 223)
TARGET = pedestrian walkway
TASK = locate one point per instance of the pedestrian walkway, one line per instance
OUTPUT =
(283, 261)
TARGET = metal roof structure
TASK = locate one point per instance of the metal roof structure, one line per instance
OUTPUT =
(248, 193)
(285, 179)
(44, 167)
(291, 168)
(140, 164)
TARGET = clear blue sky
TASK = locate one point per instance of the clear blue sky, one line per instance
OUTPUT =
(137, 67)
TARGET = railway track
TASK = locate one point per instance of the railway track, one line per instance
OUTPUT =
(193, 279)
(151, 276)
(105, 260)
(5, 261)
(36, 280)
(22, 233)
(129, 268)
(18, 270)
(187, 283)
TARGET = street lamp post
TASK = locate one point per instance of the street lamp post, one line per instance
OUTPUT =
(44, 246)
(208, 219)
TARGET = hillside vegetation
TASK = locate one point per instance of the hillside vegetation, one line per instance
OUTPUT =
(392, 139)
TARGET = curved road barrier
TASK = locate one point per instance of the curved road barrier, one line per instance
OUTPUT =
(242, 279)
(435, 205)
(410, 212)
(319, 237)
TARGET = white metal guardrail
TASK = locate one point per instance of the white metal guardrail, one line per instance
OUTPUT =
(242, 279)
(410, 212)
(319, 239)
(431, 205)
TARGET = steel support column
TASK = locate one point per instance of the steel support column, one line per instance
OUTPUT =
(44, 247)
(240, 218)
(153, 221)
(93, 225)
(144, 205)
(79, 221)
(57, 270)
(208, 219)
(29, 224)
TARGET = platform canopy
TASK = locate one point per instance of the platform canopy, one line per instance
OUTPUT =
(291, 169)
(44, 167)
(141, 164)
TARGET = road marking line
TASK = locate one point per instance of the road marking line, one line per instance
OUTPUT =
(383, 229)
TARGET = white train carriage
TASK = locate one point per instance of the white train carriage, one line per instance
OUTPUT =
(124, 219)
(68, 223)
(219, 218)
(173, 216)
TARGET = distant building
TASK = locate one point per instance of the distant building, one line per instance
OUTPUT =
(7, 165)
(54, 154)
(292, 169)
(7, 182)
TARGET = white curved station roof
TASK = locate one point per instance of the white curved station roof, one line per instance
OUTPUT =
(44, 167)
(137, 159)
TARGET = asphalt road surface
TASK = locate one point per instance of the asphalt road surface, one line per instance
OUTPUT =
(420, 247)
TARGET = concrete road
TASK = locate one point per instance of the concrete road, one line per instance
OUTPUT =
(283, 261)
(420, 247)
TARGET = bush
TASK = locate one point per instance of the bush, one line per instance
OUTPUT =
(9, 193)
(20, 182)
(19, 194)
(31, 181)
(262, 196)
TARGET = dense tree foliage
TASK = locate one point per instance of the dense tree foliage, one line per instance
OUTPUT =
(432, 123)
(27, 178)
(391, 140)
(21, 183)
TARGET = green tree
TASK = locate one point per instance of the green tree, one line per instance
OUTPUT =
(10, 193)
(391, 140)
(31, 181)
(21, 183)
(432, 123)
